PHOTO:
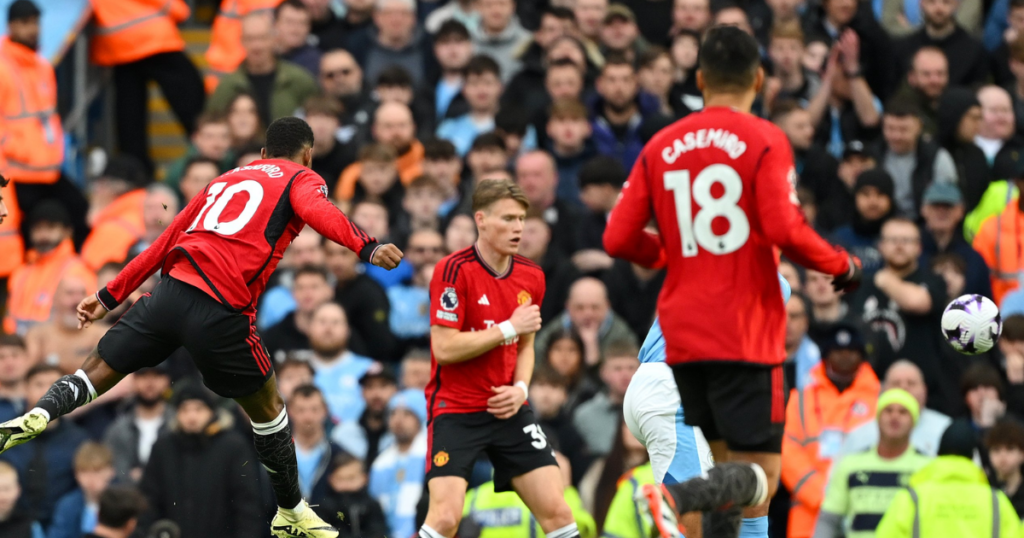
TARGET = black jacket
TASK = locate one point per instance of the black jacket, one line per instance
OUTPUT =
(283, 337)
(559, 274)
(363, 517)
(635, 300)
(971, 166)
(875, 46)
(366, 305)
(968, 60)
(205, 483)
(19, 525)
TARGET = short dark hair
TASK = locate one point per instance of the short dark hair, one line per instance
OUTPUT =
(783, 108)
(511, 120)
(12, 340)
(198, 159)
(343, 458)
(981, 374)
(452, 29)
(394, 76)
(622, 349)
(544, 374)
(424, 183)
(564, 62)
(42, 368)
(112, 266)
(439, 149)
(294, 4)
(288, 136)
(290, 363)
(602, 170)
(651, 55)
(481, 64)
(323, 105)
(562, 13)
(309, 391)
(617, 59)
(311, 269)
(902, 107)
(489, 141)
(119, 505)
(1005, 433)
(729, 59)
(954, 259)
(1013, 328)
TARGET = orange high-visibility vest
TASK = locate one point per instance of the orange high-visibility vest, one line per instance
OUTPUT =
(119, 226)
(12, 248)
(1000, 241)
(817, 421)
(33, 285)
(129, 30)
(32, 136)
(225, 53)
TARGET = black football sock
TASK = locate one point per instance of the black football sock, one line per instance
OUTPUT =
(727, 485)
(723, 523)
(67, 394)
(276, 451)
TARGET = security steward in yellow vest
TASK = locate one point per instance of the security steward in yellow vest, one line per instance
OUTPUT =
(504, 515)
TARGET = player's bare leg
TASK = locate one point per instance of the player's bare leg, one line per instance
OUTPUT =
(542, 491)
(447, 499)
(67, 394)
(275, 449)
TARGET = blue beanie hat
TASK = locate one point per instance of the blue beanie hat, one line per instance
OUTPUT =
(413, 400)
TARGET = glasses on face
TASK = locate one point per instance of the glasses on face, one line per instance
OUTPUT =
(344, 72)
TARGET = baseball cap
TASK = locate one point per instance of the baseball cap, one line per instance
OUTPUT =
(854, 147)
(942, 193)
(378, 370)
(843, 336)
(22, 9)
(619, 11)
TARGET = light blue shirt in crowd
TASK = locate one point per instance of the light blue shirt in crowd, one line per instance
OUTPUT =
(462, 131)
(339, 382)
(443, 96)
(653, 349)
(396, 482)
(386, 278)
(307, 464)
(808, 355)
(410, 311)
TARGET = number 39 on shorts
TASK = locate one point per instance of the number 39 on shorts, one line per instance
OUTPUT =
(696, 230)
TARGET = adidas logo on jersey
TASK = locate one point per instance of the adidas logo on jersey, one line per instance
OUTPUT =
(483, 300)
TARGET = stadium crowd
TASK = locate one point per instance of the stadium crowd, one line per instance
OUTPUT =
(906, 119)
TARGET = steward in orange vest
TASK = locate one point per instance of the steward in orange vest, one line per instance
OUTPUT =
(32, 286)
(12, 248)
(141, 41)
(31, 136)
(225, 53)
(840, 396)
(116, 216)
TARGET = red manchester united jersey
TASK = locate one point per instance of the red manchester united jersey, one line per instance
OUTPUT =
(228, 240)
(467, 295)
(720, 184)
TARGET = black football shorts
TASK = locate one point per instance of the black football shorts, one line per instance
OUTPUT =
(224, 343)
(515, 446)
(740, 403)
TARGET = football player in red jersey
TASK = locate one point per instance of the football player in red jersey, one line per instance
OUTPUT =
(215, 259)
(721, 186)
(484, 303)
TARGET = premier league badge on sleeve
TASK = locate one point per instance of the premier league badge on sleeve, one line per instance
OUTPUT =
(449, 299)
(323, 190)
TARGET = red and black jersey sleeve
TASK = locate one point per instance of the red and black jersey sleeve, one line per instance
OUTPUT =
(309, 201)
(448, 293)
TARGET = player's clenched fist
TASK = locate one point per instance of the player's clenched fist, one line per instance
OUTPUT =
(387, 256)
(526, 318)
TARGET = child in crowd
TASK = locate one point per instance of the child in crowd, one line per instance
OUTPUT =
(482, 90)
(212, 140)
(487, 154)
(1005, 443)
(77, 512)
(569, 132)
(378, 177)
(421, 204)
(441, 162)
(348, 505)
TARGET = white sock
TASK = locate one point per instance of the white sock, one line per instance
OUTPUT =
(272, 427)
(427, 532)
(92, 390)
(41, 411)
(292, 513)
(567, 531)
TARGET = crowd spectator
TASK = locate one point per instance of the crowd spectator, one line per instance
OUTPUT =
(598, 484)
(292, 25)
(307, 414)
(997, 135)
(365, 303)
(244, 122)
(14, 364)
(196, 175)
(77, 512)
(397, 475)
(348, 494)
(337, 369)
(211, 140)
(46, 469)
(597, 418)
(366, 437)
(59, 341)
(342, 78)
(132, 435)
(802, 354)
(959, 121)
(278, 86)
(928, 427)
(415, 369)
(196, 475)
(410, 303)
(874, 204)
(13, 522)
(943, 211)
(330, 156)
(500, 35)
(549, 392)
(392, 125)
(311, 288)
(119, 510)
(536, 173)
(841, 395)
(115, 212)
(279, 300)
(927, 80)
(589, 314)
(968, 59)
(291, 374)
(623, 118)
(394, 39)
(1005, 444)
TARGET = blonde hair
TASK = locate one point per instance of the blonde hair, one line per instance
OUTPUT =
(490, 191)
(92, 456)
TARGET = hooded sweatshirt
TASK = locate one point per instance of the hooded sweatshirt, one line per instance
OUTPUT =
(503, 47)
(971, 166)
(860, 237)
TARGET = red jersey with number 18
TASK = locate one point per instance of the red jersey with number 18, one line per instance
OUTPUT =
(721, 185)
(466, 294)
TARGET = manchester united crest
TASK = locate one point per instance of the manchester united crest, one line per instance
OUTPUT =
(523, 297)
(441, 458)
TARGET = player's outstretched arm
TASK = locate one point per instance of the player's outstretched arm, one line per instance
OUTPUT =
(624, 236)
(451, 345)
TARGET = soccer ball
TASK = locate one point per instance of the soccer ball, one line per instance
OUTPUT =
(971, 324)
